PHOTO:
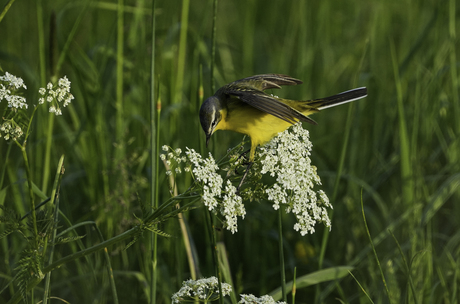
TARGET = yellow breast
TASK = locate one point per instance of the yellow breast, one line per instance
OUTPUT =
(259, 126)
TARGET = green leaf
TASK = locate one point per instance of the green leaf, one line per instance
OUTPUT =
(314, 278)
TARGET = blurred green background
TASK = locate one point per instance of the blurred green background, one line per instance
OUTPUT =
(402, 156)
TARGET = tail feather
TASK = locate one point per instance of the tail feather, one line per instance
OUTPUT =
(338, 99)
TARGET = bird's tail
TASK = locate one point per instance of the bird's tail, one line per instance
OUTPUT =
(338, 99)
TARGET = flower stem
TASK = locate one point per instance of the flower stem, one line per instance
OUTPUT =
(31, 193)
(215, 256)
(280, 243)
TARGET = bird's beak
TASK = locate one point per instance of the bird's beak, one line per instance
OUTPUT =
(208, 137)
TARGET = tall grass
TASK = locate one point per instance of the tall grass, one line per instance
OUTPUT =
(400, 145)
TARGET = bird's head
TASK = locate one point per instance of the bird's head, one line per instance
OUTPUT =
(210, 115)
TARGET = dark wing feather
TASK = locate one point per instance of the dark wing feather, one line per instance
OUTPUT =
(264, 102)
(268, 81)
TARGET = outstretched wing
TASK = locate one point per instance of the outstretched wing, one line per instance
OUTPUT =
(268, 81)
(251, 91)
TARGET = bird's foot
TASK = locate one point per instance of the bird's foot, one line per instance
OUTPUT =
(244, 177)
(245, 163)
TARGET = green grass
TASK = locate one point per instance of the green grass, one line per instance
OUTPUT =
(401, 148)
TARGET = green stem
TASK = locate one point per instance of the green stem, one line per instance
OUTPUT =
(213, 47)
(182, 51)
(281, 252)
(119, 153)
(154, 156)
(31, 193)
(373, 249)
(5, 9)
(215, 256)
(55, 203)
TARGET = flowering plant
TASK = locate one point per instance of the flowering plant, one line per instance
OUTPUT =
(15, 122)
(285, 158)
(207, 290)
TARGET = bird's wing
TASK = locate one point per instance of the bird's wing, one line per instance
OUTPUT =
(267, 81)
(250, 91)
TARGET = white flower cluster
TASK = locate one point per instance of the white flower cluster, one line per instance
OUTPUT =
(204, 290)
(12, 83)
(10, 130)
(286, 157)
(232, 207)
(173, 160)
(206, 173)
(56, 95)
(251, 299)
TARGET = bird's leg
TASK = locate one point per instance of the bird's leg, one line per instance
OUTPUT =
(242, 155)
(244, 176)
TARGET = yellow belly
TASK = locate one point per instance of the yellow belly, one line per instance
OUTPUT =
(259, 126)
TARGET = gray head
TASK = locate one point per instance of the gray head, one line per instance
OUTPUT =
(210, 115)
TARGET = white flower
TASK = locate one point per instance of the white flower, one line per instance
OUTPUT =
(13, 81)
(251, 299)
(56, 95)
(15, 101)
(165, 148)
(10, 130)
(205, 171)
(232, 206)
(286, 157)
(205, 290)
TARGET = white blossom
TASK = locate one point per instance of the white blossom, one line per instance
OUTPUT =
(286, 157)
(203, 290)
(251, 299)
(56, 95)
(232, 207)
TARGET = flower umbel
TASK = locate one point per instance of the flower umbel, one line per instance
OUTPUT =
(9, 84)
(290, 180)
(286, 157)
(251, 299)
(56, 95)
(203, 290)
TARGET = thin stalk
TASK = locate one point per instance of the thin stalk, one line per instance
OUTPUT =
(215, 256)
(373, 249)
(119, 90)
(406, 170)
(41, 43)
(367, 295)
(5, 9)
(294, 285)
(281, 252)
(52, 51)
(182, 49)
(183, 226)
(31, 193)
(155, 110)
(55, 203)
(407, 268)
(453, 62)
(6, 158)
(213, 45)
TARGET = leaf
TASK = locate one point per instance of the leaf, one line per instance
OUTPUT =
(314, 278)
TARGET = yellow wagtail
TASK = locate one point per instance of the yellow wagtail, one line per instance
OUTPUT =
(243, 106)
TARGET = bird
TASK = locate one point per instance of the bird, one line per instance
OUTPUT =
(243, 106)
